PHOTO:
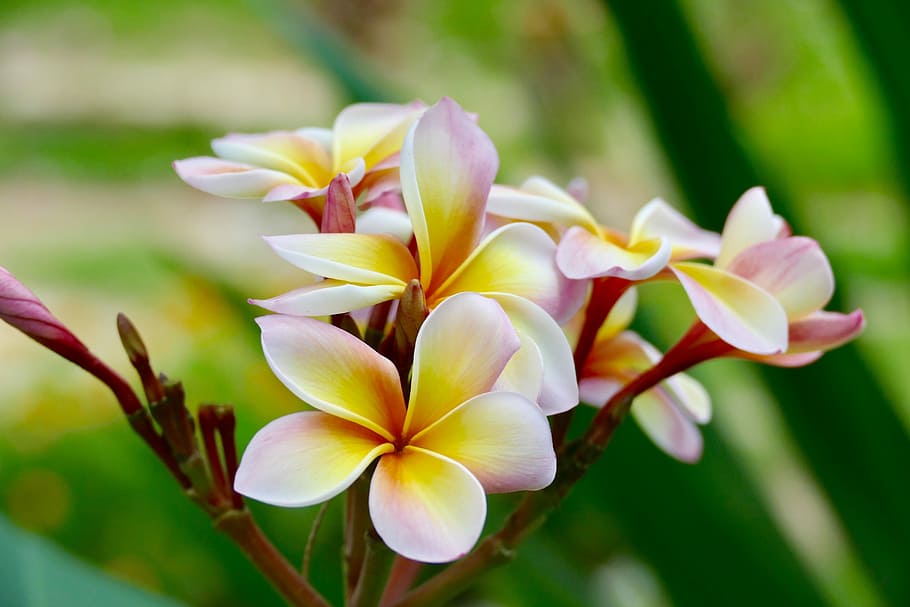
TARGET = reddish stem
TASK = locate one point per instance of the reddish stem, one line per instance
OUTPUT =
(605, 292)
(208, 421)
(226, 426)
(401, 578)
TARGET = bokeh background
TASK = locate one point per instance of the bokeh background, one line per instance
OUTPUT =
(803, 495)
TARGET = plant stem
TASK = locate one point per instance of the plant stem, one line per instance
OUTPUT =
(401, 578)
(356, 522)
(373, 573)
(240, 527)
(605, 292)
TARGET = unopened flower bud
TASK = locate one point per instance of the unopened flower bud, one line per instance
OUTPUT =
(340, 210)
(23, 310)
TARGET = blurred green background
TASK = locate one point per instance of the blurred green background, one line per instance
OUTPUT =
(804, 492)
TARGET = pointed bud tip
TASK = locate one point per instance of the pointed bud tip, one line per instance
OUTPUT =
(132, 342)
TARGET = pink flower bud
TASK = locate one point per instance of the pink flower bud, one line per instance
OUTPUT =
(340, 211)
(22, 309)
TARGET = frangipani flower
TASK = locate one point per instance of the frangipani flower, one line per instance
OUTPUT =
(296, 165)
(668, 412)
(447, 167)
(795, 271)
(590, 250)
(437, 457)
(766, 288)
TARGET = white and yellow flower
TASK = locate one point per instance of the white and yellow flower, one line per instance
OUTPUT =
(436, 456)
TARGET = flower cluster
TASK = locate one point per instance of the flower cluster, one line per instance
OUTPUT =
(450, 317)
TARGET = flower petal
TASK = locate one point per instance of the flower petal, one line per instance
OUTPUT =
(333, 371)
(372, 131)
(539, 199)
(664, 424)
(794, 270)
(690, 396)
(502, 438)
(355, 170)
(461, 349)
(750, 222)
(306, 159)
(447, 167)
(596, 390)
(230, 179)
(785, 360)
(825, 331)
(426, 507)
(558, 390)
(620, 315)
(739, 312)
(581, 254)
(306, 458)
(524, 372)
(623, 355)
(657, 219)
(368, 259)
(329, 297)
(517, 259)
(383, 220)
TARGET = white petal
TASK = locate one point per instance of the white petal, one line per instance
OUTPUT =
(426, 507)
(306, 458)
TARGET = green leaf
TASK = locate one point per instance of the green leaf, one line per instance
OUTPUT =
(35, 573)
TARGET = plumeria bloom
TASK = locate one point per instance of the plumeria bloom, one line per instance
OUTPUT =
(436, 457)
(793, 270)
(364, 144)
(766, 285)
(668, 412)
(447, 168)
(588, 249)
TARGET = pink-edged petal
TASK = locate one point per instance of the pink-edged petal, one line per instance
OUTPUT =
(340, 212)
(539, 200)
(306, 458)
(620, 315)
(750, 222)
(666, 426)
(426, 507)
(657, 219)
(334, 372)
(825, 331)
(518, 259)
(690, 396)
(623, 355)
(367, 259)
(794, 270)
(582, 254)
(383, 220)
(742, 314)
(558, 388)
(283, 151)
(329, 297)
(502, 438)
(461, 349)
(230, 179)
(355, 171)
(785, 360)
(596, 391)
(447, 167)
(372, 131)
